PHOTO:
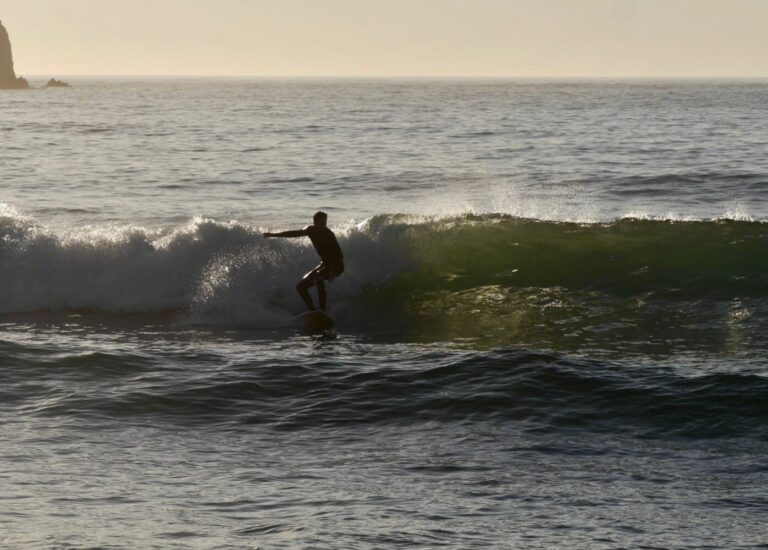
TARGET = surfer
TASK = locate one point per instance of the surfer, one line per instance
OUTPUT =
(332, 260)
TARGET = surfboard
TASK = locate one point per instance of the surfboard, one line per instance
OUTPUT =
(315, 321)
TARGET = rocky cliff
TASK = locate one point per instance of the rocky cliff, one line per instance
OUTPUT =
(8, 78)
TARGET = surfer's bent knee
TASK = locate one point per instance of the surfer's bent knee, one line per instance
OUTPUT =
(304, 284)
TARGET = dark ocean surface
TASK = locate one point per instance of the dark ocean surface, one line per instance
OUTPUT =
(551, 330)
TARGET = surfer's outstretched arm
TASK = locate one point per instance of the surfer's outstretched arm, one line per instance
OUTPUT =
(289, 234)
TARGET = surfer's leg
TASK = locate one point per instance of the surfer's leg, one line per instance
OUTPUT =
(321, 294)
(304, 285)
(304, 293)
(324, 273)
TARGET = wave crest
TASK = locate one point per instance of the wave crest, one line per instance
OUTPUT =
(227, 272)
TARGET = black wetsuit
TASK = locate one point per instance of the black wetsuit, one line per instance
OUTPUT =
(331, 266)
(326, 245)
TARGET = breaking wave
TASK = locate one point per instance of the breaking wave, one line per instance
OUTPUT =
(228, 273)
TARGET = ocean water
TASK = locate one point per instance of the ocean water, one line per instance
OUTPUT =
(551, 332)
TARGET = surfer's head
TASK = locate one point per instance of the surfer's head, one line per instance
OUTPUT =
(320, 218)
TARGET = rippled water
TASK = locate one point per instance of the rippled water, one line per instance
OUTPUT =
(269, 150)
(550, 332)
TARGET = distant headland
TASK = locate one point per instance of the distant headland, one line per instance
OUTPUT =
(8, 78)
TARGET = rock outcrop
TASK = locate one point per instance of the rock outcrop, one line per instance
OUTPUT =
(8, 78)
(53, 83)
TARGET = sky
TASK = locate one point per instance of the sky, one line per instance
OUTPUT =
(505, 38)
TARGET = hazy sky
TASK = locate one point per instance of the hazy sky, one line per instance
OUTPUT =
(389, 37)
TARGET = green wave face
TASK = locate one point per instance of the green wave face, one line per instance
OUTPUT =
(622, 258)
(653, 286)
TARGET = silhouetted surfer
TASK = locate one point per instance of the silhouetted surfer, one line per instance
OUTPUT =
(326, 245)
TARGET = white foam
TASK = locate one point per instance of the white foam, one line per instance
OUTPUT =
(737, 212)
(217, 272)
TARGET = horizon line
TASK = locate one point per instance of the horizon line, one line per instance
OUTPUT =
(398, 76)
